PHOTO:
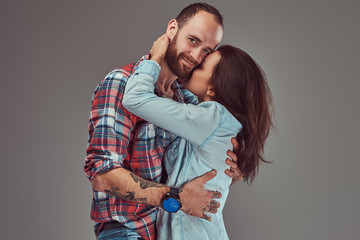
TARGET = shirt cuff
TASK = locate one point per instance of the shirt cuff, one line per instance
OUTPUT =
(149, 67)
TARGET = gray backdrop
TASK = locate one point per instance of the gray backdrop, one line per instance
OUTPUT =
(53, 54)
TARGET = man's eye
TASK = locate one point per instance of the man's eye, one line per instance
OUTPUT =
(193, 41)
(206, 51)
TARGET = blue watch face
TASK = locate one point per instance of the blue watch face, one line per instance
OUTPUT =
(171, 205)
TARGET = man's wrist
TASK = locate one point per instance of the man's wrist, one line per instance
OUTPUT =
(181, 196)
(171, 202)
(155, 195)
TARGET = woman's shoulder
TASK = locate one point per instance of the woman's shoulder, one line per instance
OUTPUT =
(227, 120)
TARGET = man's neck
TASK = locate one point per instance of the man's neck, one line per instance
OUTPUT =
(165, 80)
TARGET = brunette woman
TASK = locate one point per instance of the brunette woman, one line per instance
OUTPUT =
(234, 101)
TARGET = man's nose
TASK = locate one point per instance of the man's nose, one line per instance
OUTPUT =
(196, 55)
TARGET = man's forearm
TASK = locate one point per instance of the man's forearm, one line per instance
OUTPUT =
(126, 185)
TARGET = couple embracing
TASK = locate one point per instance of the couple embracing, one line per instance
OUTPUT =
(170, 133)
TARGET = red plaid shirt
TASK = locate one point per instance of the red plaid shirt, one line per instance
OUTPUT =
(118, 138)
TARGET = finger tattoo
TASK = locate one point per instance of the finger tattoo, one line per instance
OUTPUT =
(216, 195)
(213, 205)
(212, 210)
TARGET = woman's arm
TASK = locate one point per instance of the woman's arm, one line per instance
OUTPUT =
(192, 122)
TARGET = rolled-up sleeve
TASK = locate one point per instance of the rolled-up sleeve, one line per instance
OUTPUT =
(109, 128)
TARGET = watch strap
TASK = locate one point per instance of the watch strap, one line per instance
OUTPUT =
(174, 191)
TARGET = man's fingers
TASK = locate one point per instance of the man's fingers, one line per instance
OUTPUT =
(234, 171)
(229, 173)
(232, 155)
(210, 210)
(235, 174)
(214, 204)
(235, 144)
(213, 207)
(206, 217)
(216, 195)
(207, 176)
(231, 163)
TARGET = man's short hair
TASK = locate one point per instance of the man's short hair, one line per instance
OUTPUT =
(193, 9)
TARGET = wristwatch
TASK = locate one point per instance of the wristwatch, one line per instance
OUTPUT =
(171, 202)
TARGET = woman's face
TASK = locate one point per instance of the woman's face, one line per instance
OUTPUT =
(198, 84)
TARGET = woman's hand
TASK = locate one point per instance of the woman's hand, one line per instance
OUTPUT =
(159, 48)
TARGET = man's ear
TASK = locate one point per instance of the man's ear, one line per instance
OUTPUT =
(172, 29)
(211, 91)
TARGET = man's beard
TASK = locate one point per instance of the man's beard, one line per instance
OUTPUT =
(174, 61)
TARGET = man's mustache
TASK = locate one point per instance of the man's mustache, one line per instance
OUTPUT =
(189, 59)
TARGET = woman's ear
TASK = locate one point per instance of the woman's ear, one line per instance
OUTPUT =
(211, 91)
(172, 29)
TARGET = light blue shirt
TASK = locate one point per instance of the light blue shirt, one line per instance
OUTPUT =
(201, 137)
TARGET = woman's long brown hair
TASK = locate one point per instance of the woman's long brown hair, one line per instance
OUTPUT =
(241, 86)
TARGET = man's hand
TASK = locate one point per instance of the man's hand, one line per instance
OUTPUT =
(234, 172)
(196, 199)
